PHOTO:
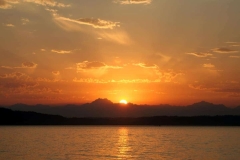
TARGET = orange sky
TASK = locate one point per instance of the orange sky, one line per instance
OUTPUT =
(144, 51)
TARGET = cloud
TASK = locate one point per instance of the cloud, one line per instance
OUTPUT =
(208, 65)
(120, 37)
(143, 65)
(91, 80)
(224, 50)
(106, 28)
(7, 67)
(24, 65)
(234, 44)
(7, 4)
(4, 5)
(12, 75)
(94, 22)
(168, 76)
(232, 89)
(86, 65)
(25, 21)
(9, 25)
(161, 57)
(133, 1)
(234, 56)
(200, 87)
(61, 51)
(50, 3)
(98, 23)
(29, 65)
(55, 73)
(200, 55)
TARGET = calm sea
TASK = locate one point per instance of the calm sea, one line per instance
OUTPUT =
(115, 142)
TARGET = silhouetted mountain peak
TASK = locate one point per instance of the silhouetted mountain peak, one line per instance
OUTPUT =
(102, 101)
(207, 105)
(202, 103)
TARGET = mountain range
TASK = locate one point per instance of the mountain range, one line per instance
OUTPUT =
(106, 108)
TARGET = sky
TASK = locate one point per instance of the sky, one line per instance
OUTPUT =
(144, 51)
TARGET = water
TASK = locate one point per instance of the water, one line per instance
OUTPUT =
(115, 142)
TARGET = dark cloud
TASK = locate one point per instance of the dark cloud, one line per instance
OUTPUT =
(224, 50)
(24, 65)
(86, 65)
(29, 65)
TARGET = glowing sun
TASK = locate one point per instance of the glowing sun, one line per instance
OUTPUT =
(123, 101)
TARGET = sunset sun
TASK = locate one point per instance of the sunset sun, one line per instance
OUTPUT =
(123, 101)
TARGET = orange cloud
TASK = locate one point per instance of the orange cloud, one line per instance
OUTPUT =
(12, 75)
(208, 65)
(201, 55)
(9, 25)
(55, 73)
(7, 4)
(133, 1)
(61, 51)
(86, 65)
(51, 3)
(143, 65)
(94, 22)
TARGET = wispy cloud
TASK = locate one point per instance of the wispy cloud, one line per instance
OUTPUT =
(91, 80)
(144, 65)
(94, 22)
(12, 75)
(9, 25)
(51, 3)
(234, 56)
(161, 57)
(24, 65)
(133, 1)
(120, 37)
(61, 51)
(25, 21)
(224, 50)
(168, 76)
(55, 73)
(208, 65)
(234, 44)
(200, 55)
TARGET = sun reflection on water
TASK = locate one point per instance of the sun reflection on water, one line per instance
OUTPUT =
(124, 149)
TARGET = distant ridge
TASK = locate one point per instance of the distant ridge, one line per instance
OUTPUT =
(9, 117)
(105, 108)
